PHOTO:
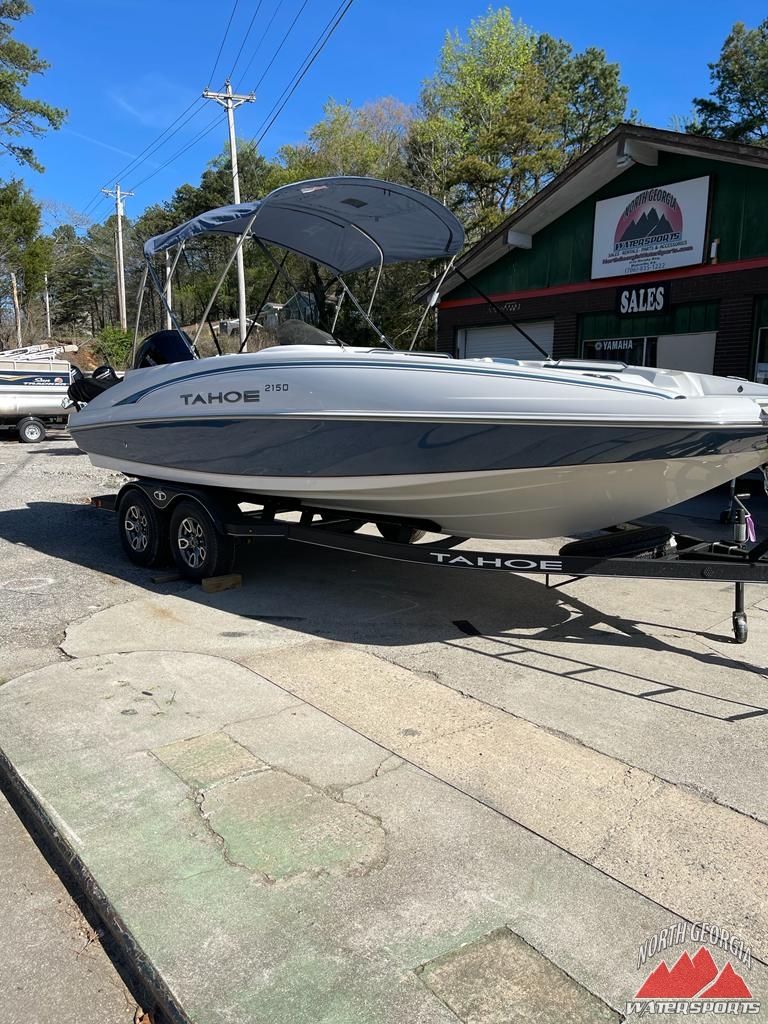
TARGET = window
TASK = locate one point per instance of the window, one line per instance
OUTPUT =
(634, 351)
(761, 370)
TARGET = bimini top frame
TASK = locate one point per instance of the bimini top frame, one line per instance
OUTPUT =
(344, 223)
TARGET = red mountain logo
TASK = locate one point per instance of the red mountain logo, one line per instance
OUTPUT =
(697, 977)
(729, 985)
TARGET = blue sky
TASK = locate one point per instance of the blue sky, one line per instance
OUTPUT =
(126, 71)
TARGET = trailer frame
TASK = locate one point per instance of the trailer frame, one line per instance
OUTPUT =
(660, 554)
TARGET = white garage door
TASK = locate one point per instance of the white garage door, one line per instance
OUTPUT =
(687, 352)
(504, 342)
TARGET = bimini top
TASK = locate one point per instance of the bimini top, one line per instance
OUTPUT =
(340, 222)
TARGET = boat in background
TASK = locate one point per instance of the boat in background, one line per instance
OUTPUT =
(486, 448)
(34, 384)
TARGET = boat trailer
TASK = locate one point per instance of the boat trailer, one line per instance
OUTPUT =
(198, 527)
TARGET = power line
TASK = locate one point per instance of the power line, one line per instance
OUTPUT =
(303, 69)
(263, 37)
(224, 39)
(119, 196)
(313, 53)
(156, 143)
(212, 125)
(231, 101)
(245, 40)
(282, 43)
(150, 148)
(179, 152)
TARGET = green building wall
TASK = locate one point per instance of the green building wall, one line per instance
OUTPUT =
(562, 252)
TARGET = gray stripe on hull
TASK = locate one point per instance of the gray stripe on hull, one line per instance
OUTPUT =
(260, 446)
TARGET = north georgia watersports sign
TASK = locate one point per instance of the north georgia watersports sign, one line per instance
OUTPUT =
(650, 230)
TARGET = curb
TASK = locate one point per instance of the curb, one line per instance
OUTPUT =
(142, 976)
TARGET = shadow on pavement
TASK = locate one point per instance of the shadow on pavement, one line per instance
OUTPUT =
(361, 600)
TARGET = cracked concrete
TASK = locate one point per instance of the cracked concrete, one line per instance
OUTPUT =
(282, 828)
(481, 981)
(181, 778)
(377, 868)
(279, 823)
(624, 821)
(206, 760)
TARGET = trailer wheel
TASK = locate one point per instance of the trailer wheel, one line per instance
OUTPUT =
(198, 548)
(645, 542)
(740, 627)
(31, 430)
(142, 529)
(397, 534)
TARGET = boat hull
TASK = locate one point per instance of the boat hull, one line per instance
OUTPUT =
(33, 388)
(513, 503)
(485, 450)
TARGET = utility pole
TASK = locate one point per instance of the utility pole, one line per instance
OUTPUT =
(119, 196)
(230, 101)
(168, 292)
(47, 309)
(16, 309)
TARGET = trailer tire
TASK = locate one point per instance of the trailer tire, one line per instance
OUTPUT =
(645, 542)
(198, 548)
(31, 430)
(143, 529)
(396, 533)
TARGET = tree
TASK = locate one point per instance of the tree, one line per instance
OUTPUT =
(505, 111)
(586, 92)
(24, 252)
(459, 137)
(215, 189)
(19, 115)
(366, 140)
(22, 248)
(737, 109)
(71, 283)
(205, 257)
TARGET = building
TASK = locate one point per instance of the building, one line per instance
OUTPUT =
(650, 249)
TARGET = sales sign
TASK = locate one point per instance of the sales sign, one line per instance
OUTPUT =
(651, 230)
(650, 298)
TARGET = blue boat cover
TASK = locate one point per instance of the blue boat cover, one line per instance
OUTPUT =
(341, 222)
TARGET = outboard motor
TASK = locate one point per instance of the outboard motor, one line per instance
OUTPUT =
(164, 347)
(297, 332)
(84, 389)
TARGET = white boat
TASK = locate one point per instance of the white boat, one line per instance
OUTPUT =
(481, 448)
(34, 382)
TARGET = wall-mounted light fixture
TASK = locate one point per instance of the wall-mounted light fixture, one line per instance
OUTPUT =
(519, 240)
(630, 151)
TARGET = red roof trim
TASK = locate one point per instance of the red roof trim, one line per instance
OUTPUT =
(614, 282)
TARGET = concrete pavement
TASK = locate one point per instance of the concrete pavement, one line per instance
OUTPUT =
(322, 798)
(53, 966)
